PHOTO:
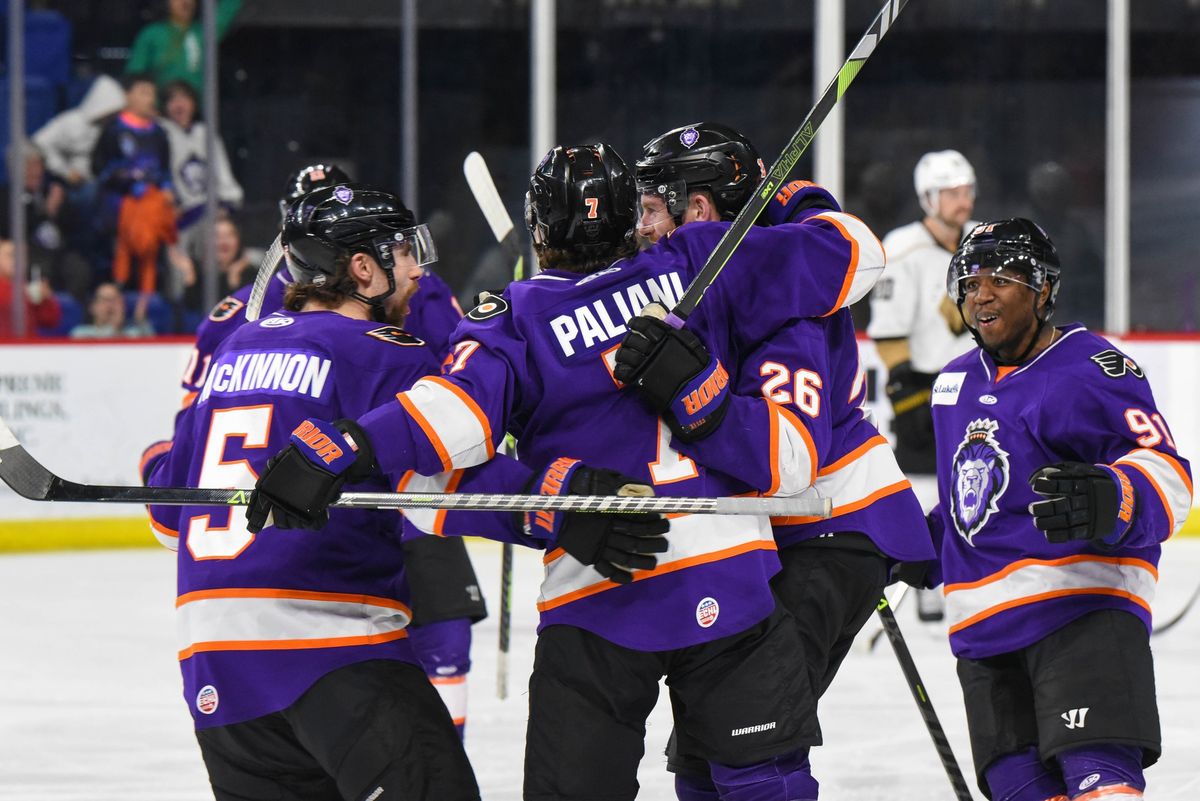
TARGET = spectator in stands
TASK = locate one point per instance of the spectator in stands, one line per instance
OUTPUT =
(237, 264)
(41, 307)
(191, 174)
(107, 310)
(48, 219)
(173, 49)
(67, 140)
(132, 163)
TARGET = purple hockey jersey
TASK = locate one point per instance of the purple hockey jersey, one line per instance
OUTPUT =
(433, 314)
(538, 362)
(262, 616)
(811, 370)
(1080, 400)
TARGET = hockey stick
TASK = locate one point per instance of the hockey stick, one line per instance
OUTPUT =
(479, 178)
(877, 636)
(266, 271)
(1179, 615)
(779, 171)
(29, 479)
(936, 732)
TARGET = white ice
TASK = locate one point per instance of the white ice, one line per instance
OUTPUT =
(90, 707)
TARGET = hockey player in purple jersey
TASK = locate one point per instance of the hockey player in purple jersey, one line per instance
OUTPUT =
(293, 645)
(834, 571)
(538, 361)
(446, 595)
(1058, 480)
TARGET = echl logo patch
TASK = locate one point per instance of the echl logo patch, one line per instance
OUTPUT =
(397, 336)
(225, 309)
(1116, 364)
(980, 478)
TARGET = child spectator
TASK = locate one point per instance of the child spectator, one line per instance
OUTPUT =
(173, 49)
(132, 163)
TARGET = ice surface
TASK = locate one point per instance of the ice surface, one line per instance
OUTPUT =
(90, 708)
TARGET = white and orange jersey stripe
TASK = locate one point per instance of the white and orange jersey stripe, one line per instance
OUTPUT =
(1032, 580)
(856, 480)
(455, 425)
(694, 540)
(793, 453)
(867, 257)
(429, 521)
(167, 537)
(258, 619)
(1169, 479)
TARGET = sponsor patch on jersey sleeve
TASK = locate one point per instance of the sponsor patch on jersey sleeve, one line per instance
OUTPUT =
(225, 309)
(395, 335)
(1116, 364)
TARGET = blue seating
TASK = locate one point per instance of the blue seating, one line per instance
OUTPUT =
(47, 44)
(41, 104)
(72, 315)
(158, 312)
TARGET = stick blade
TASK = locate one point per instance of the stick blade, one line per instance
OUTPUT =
(479, 178)
(20, 471)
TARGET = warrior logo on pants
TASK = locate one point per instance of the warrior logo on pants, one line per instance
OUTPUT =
(980, 478)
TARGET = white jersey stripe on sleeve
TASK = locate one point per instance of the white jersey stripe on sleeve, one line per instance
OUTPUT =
(1169, 480)
(793, 454)
(867, 257)
(428, 521)
(453, 422)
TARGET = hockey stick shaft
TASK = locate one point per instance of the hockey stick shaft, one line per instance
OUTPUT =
(506, 572)
(262, 279)
(874, 641)
(917, 687)
(29, 479)
(782, 167)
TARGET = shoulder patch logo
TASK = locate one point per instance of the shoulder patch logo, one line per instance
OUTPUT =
(489, 306)
(395, 335)
(980, 477)
(225, 309)
(276, 322)
(1116, 364)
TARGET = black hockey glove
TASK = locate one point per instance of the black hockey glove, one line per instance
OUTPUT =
(910, 393)
(1083, 502)
(302, 480)
(615, 544)
(672, 370)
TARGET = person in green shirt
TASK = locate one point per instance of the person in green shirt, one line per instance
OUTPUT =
(173, 49)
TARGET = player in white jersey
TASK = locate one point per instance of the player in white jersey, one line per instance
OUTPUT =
(915, 326)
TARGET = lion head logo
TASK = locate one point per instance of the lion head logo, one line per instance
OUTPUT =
(980, 478)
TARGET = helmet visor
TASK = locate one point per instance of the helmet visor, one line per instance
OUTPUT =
(674, 194)
(967, 272)
(415, 243)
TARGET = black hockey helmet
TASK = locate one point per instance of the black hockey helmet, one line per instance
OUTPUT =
(702, 156)
(581, 199)
(338, 221)
(309, 179)
(1016, 248)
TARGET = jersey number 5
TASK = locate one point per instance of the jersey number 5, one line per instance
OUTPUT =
(252, 425)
